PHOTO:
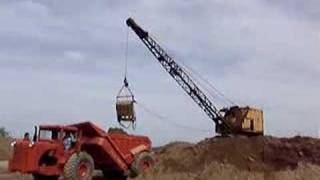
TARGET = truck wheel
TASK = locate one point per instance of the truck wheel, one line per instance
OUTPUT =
(79, 167)
(41, 177)
(142, 162)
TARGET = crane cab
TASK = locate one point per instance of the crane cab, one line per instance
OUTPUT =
(244, 120)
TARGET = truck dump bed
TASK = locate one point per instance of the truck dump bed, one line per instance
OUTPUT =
(114, 151)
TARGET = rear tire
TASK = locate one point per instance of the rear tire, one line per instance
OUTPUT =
(79, 167)
(142, 162)
(42, 177)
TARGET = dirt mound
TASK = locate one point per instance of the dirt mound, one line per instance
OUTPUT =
(238, 158)
(288, 153)
(254, 153)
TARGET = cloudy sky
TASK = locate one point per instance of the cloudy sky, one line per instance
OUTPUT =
(63, 62)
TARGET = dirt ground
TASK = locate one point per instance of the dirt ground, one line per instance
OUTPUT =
(240, 158)
(4, 149)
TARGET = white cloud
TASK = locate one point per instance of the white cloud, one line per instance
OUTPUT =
(63, 61)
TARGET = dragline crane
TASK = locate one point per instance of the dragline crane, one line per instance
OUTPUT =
(228, 121)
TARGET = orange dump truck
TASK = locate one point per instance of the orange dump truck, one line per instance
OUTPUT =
(75, 151)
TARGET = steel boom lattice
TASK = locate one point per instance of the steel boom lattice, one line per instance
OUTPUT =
(181, 77)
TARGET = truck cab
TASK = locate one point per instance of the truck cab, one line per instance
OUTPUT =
(44, 154)
(57, 135)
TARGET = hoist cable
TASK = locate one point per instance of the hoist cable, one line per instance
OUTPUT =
(125, 87)
(210, 93)
(126, 55)
(217, 92)
(163, 119)
(214, 94)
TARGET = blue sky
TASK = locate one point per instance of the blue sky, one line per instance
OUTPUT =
(63, 62)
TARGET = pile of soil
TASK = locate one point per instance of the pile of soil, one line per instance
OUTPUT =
(288, 153)
(238, 158)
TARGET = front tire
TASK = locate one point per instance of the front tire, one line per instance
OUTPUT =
(80, 166)
(143, 161)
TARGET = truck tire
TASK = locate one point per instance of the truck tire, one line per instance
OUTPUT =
(41, 177)
(142, 162)
(80, 166)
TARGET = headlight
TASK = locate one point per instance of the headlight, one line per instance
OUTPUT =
(31, 144)
(13, 143)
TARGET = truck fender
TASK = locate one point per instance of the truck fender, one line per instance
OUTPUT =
(138, 149)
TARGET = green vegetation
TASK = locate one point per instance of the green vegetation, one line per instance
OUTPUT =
(3, 132)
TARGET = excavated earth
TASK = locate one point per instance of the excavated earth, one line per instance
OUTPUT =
(238, 158)
(235, 158)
